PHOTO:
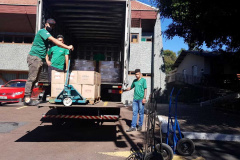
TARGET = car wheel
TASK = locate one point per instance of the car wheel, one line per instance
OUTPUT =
(1, 104)
(26, 104)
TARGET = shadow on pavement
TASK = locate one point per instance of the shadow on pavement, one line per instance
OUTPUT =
(212, 150)
(84, 132)
(70, 132)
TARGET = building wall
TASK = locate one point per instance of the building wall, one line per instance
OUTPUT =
(141, 58)
(140, 54)
(189, 61)
(159, 75)
(14, 56)
(207, 66)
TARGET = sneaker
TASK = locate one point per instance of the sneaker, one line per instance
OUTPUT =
(139, 128)
(34, 103)
(131, 129)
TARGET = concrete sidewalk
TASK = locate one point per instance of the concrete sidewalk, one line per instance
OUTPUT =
(194, 118)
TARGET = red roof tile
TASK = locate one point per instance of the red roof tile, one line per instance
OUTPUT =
(19, 2)
(136, 5)
(18, 9)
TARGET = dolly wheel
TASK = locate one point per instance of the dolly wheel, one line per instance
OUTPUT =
(166, 151)
(153, 156)
(185, 147)
(67, 101)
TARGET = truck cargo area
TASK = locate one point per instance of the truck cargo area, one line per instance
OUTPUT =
(94, 28)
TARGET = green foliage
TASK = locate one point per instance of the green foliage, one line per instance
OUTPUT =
(179, 52)
(169, 59)
(202, 21)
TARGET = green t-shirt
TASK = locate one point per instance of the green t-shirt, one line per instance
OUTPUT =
(99, 57)
(139, 86)
(40, 44)
(58, 56)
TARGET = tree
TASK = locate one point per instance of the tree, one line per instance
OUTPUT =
(169, 59)
(198, 21)
(179, 52)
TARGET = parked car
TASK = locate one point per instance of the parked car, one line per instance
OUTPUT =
(13, 91)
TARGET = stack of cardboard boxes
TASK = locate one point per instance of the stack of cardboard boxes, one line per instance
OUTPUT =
(110, 71)
(84, 65)
(57, 83)
(87, 83)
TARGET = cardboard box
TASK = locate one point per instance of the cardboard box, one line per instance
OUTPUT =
(110, 71)
(84, 65)
(56, 89)
(98, 79)
(87, 77)
(90, 91)
(73, 75)
(57, 77)
(99, 90)
(77, 87)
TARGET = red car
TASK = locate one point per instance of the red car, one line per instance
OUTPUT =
(13, 91)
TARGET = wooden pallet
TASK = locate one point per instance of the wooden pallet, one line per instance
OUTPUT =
(93, 101)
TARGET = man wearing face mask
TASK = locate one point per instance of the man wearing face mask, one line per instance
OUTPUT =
(37, 55)
(59, 57)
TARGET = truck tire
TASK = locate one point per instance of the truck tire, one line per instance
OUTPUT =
(153, 156)
(166, 152)
(185, 147)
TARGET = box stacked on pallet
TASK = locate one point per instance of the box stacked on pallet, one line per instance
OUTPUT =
(90, 82)
(87, 83)
(84, 65)
(110, 71)
(57, 83)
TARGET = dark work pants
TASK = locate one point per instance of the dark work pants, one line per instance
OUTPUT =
(34, 64)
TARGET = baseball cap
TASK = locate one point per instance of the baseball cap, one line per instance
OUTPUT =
(51, 21)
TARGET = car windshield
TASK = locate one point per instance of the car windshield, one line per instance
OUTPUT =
(15, 84)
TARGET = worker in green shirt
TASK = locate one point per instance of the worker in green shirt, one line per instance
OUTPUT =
(139, 99)
(59, 57)
(37, 55)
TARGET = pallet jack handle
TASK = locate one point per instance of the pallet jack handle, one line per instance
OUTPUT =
(67, 77)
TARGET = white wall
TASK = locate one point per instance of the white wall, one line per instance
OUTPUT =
(14, 56)
(159, 75)
(189, 61)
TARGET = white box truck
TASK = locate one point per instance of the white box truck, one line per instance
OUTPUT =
(93, 27)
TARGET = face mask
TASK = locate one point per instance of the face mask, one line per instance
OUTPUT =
(49, 29)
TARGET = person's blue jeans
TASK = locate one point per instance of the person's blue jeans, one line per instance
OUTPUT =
(137, 107)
